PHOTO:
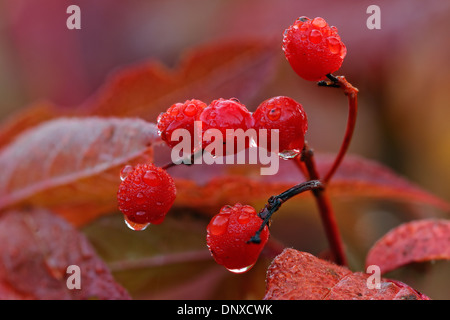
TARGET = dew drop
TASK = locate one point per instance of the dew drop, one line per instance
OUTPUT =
(343, 52)
(304, 28)
(125, 171)
(289, 154)
(315, 36)
(190, 110)
(319, 22)
(218, 225)
(175, 110)
(274, 114)
(241, 270)
(151, 178)
(302, 19)
(243, 218)
(334, 45)
(134, 225)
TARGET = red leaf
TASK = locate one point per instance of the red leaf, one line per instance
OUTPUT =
(416, 241)
(36, 249)
(230, 69)
(358, 176)
(72, 165)
(295, 275)
(27, 118)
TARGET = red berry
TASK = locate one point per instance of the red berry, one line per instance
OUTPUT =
(223, 114)
(313, 48)
(146, 193)
(286, 115)
(180, 116)
(228, 234)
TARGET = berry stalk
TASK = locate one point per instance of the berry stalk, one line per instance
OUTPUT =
(352, 95)
(275, 202)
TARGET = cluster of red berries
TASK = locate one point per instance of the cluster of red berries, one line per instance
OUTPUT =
(147, 192)
(281, 113)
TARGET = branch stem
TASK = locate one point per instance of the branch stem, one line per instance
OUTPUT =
(326, 210)
(275, 202)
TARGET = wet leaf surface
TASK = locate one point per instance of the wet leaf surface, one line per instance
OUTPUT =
(37, 248)
(72, 165)
(296, 275)
(415, 241)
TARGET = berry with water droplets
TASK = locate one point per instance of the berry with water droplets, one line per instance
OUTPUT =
(223, 114)
(228, 235)
(145, 194)
(313, 48)
(180, 116)
(286, 115)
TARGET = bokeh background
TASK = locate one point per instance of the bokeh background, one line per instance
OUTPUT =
(401, 71)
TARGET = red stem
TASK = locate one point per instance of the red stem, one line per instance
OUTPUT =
(352, 94)
(326, 210)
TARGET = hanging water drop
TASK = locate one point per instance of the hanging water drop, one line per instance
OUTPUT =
(241, 270)
(289, 154)
(134, 225)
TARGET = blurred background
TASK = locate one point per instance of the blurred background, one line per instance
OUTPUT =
(401, 71)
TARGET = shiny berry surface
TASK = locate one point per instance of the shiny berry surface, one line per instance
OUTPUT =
(228, 234)
(223, 114)
(286, 115)
(313, 48)
(180, 116)
(145, 194)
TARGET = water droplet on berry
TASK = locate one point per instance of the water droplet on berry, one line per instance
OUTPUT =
(315, 36)
(218, 225)
(151, 178)
(190, 110)
(134, 225)
(175, 110)
(289, 154)
(334, 45)
(244, 218)
(303, 37)
(304, 28)
(241, 270)
(343, 52)
(125, 171)
(319, 22)
(274, 114)
(302, 19)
